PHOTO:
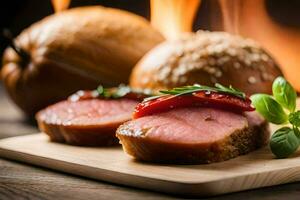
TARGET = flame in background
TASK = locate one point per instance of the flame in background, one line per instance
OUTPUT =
(60, 5)
(249, 18)
(173, 17)
(231, 15)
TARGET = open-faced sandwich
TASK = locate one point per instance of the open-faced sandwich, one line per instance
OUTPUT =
(194, 124)
(89, 118)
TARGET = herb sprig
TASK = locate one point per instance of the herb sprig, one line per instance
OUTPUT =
(178, 91)
(281, 109)
(120, 91)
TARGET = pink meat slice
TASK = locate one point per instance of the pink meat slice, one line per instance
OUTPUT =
(90, 122)
(193, 135)
(188, 125)
(88, 112)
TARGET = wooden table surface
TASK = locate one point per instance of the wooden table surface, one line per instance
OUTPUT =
(21, 181)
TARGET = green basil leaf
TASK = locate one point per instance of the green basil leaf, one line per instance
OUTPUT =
(284, 93)
(269, 108)
(297, 133)
(294, 118)
(284, 142)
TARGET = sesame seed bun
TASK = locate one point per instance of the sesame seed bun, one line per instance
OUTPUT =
(207, 58)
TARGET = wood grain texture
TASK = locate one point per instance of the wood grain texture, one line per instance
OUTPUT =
(257, 169)
(27, 182)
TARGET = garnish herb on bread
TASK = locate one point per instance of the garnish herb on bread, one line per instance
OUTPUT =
(280, 108)
(122, 91)
(196, 88)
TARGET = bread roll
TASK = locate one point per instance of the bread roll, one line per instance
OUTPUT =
(207, 58)
(76, 49)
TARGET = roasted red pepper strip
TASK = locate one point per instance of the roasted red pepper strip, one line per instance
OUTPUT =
(201, 99)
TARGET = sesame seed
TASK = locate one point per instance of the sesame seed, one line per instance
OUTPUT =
(218, 74)
(236, 65)
(252, 80)
(209, 52)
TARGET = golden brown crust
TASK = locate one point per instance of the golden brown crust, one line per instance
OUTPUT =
(76, 49)
(238, 143)
(206, 58)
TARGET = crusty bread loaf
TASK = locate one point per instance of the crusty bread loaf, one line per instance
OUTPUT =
(79, 48)
(206, 58)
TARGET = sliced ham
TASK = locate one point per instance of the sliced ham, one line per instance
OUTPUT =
(193, 135)
(91, 122)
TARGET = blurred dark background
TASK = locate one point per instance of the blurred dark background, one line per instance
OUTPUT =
(17, 15)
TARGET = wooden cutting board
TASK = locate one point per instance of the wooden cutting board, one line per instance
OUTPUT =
(255, 170)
